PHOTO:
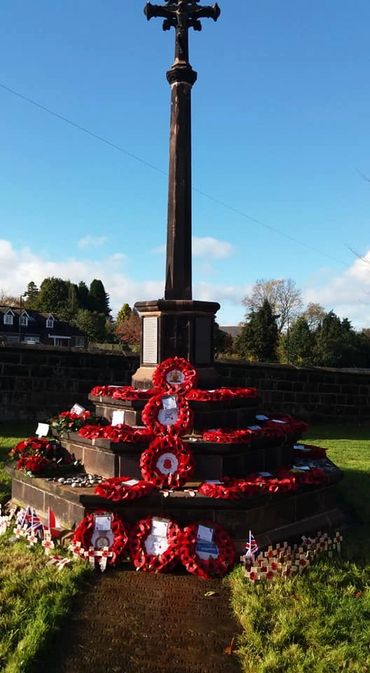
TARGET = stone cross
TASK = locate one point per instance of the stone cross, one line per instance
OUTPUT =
(181, 15)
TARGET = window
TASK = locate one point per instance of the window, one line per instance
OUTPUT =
(24, 320)
(31, 340)
(50, 322)
(61, 341)
(8, 318)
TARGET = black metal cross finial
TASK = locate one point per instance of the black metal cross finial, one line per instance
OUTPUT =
(182, 15)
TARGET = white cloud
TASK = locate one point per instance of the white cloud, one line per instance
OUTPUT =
(205, 246)
(19, 266)
(347, 294)
(212, 248)
(91, 241)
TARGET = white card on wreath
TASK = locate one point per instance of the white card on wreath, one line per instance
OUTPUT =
(159, 527)
(205, 533)
(42, 430)
(131, 482)
(169, 402)
(118, 417)
(77, 409)
(103, 522)
(156, 544)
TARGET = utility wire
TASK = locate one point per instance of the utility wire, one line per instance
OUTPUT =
(219, 202)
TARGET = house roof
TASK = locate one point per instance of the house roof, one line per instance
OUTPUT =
(37, 323)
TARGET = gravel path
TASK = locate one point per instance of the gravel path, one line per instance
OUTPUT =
(133, 622)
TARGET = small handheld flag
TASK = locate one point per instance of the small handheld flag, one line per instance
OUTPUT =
(251, 546)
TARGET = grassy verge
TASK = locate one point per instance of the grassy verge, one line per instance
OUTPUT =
(33, 597)
(317, 623)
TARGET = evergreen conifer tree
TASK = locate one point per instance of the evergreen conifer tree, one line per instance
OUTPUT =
(299, 343)
(98, 298)
(259, 336)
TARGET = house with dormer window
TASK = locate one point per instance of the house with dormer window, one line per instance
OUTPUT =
(20, 325)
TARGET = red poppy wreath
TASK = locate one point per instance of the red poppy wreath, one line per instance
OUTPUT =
(167, 462)
(207, 550)
(175, 374)
(167, 413)
(155, 544)
(123, 488)
(101, 536)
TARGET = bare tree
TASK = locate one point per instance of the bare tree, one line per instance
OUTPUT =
(282, 294)
(314, 314)
(8, 300)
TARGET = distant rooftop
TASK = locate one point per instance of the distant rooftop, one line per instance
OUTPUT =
(233, 330)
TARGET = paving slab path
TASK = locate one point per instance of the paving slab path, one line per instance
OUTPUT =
(131, 622)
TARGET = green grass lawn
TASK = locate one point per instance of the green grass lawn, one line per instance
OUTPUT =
(319, 622)
(33, 598)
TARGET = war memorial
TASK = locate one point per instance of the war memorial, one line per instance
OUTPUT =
(176, 468)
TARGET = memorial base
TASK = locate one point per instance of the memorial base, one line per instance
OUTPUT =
(182, 328)
(271, 517)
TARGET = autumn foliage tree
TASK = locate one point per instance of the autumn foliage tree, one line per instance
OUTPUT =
(128, 328)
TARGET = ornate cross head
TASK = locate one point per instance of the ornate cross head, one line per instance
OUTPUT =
(182, 14)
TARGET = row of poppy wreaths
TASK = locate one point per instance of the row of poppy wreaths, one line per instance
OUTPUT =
(130, 394)
(289, 478)
(204, 548)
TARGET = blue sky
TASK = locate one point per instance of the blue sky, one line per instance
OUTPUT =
(281, 137)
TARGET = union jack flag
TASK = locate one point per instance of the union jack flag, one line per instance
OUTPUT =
(24, 517)
(36, 526)
(251, 546)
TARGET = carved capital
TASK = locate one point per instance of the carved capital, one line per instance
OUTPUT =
(181, 73)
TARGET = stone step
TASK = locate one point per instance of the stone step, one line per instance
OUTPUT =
(213, 460)
(271, 517)
(221, 414)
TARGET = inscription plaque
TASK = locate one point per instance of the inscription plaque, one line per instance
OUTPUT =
(150, 340)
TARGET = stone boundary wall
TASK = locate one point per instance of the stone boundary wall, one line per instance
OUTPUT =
(311, 393)
(38, 381)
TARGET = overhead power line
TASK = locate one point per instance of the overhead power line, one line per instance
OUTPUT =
(219, 202)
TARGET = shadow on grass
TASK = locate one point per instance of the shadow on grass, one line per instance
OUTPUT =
(340, 430)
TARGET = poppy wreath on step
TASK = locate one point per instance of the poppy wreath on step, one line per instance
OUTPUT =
(167, 413)
(129, 393)
(221, 394)
(204, 557)
(102, 391)
(226, 488)
(175, 374)
(155, 544)
(167, 462)
(82, 542)
(243, 436)
(123, 488)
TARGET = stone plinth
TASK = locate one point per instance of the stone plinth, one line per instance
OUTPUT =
(271, 517)
(213, 460)
(229, 414)
(183, 328)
